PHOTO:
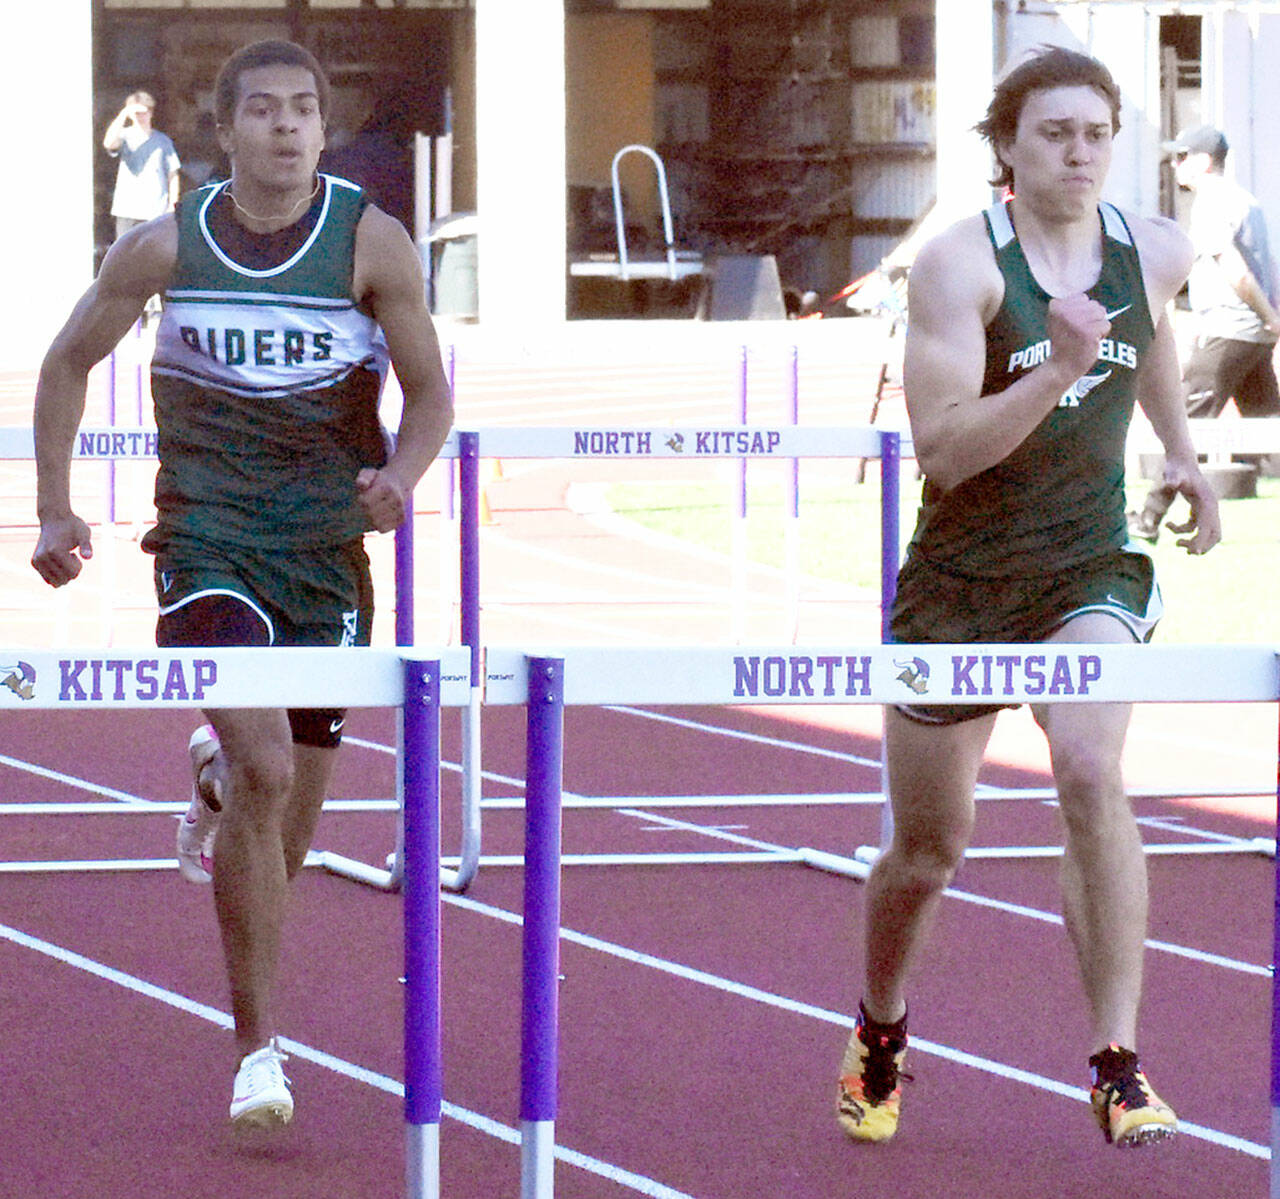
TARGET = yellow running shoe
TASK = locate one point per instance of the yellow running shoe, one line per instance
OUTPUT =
(1129, 1112)
(870, 1092)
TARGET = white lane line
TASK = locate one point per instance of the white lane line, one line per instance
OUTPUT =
(757, 995)
(985, 901)
(70, 780)
(1202, 956)
(1197, 955)
(739, 735)
(636, 1182)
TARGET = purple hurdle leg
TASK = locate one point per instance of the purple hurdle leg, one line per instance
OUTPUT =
(791, 537)
(469, 547)
(890, 479)
(890, 462)
(1275, 1010)
(111, 420)
(423, 1091)
(469, 601)
(539, 1033)
(404, 577)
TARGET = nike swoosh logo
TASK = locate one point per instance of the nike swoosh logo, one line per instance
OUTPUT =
(335, 726)
(1112, 315)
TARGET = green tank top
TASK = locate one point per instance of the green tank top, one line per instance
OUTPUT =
(1058, 498)
(266, 383)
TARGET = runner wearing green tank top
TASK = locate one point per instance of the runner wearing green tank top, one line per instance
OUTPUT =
(1033, 329)
(286, 297)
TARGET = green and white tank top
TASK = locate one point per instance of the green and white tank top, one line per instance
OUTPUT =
(266, 381)
(1058, 498)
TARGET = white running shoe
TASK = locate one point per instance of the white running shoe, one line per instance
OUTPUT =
(197, 827)
(260, 1097)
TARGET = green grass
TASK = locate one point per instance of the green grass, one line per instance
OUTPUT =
(1228, 596)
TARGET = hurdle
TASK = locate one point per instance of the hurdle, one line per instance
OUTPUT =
(418, 684)
(793, 442)
(541, 690)
(1105, 673)
(673, 443)
(112, 444)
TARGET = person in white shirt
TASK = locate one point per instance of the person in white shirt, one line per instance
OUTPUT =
(147, 179)
(1233, 291)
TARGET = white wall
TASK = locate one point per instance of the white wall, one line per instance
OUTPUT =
(1125, 37)
(965, 39)
(1240, 65)
(46, 205)
(520, 162)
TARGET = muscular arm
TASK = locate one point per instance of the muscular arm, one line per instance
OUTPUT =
(137, 267)
(388, 278)
(1166, 258)
(955, 290)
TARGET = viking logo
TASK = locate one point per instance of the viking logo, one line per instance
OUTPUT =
(915, 674)
(20, 679)
(675, 443)
(1081, 388)
(350, 627)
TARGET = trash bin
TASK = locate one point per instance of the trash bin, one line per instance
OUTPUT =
(449, 254)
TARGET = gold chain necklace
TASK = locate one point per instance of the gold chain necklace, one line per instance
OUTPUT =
(266, 220)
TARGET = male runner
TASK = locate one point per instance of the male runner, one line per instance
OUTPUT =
(1033, 328)
(285, 295)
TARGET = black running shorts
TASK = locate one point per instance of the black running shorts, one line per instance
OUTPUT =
(212, 594)
(937, 606)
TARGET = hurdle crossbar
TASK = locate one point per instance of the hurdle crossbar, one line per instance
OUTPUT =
(1081, 673)
(892, 674)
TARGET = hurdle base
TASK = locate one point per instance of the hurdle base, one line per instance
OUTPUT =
(355, 870)
(832, 863)
(537, 1158)
(1264, 846)
(422, 1161)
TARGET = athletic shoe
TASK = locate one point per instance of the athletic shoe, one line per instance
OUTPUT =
(260, 1097)
(870, 1075)
(1129, 1112)
(197, 827)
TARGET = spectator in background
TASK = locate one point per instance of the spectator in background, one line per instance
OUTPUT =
(147, 179)
(1233, 296)
(203, 161)
(379, 156)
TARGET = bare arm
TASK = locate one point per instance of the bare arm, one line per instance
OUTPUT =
(1159, 393)
(113, 139)
(1245, 284)
(1166, 255)
(954, 290)
(137, 267)
(388, 277)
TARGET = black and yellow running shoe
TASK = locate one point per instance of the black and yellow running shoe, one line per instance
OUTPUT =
(870, 1091)
(1129, 1112)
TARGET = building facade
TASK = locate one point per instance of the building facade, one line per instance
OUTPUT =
(815, 132)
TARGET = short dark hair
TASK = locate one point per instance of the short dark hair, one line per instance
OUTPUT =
(271, 53)
(1052, 66)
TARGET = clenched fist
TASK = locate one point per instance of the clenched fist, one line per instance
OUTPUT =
(1077, 325)
(381, 497)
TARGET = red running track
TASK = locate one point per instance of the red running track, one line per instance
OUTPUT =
(703, 1008)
